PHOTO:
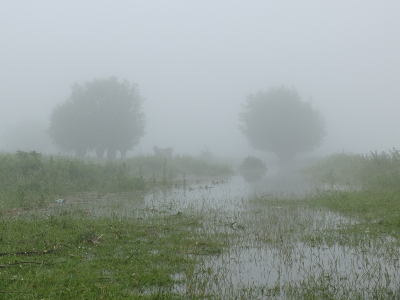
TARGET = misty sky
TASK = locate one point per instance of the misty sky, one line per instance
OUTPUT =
(196, 61)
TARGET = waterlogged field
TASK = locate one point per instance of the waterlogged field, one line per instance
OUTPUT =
(285, 237)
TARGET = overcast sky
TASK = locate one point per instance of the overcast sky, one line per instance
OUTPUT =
(196, 61)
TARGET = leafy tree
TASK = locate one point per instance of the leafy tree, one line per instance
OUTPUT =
(101, 115)
(278, 121)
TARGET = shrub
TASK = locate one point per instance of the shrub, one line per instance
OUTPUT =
(252, 169)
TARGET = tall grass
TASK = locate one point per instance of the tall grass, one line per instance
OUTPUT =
(66, 252)
(30, 179)
(372, 171)
(381, 171)
(376, 201)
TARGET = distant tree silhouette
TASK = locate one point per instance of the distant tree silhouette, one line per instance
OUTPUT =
(101, 115)
(279, 121)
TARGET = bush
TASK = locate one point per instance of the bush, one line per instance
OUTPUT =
(252, 169)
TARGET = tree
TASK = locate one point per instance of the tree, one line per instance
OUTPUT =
(101, 115)
(279, 121)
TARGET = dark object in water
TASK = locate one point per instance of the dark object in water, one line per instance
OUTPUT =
(252, 169)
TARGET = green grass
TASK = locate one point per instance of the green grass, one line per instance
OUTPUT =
(354, 220)
(29, 179)
(51, 251)
(371, 172)
(73, 255)
(327, 288)
(335, 244)
(379, 211)
(376, 203)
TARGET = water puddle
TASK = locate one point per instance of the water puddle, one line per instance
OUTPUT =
(217, 195)
(274, 247)
(271, 247)
(269, 268)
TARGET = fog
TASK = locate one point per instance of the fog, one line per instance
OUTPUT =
(196, 61)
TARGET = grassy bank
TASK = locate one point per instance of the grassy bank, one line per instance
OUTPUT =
(29, 179)
(375, 201)
(61, 251)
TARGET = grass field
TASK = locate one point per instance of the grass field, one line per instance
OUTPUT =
(375, 201)
(123, 235)
(353, 223)
(29, 179)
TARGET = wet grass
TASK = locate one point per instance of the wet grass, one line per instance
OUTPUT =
(356, 249)
(376, 203)
(207, 241)
(374, 171)
(102, 241)
(73, 254)
(29, 179)
(377, 212)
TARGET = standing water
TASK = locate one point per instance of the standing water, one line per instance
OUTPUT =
(272, 248)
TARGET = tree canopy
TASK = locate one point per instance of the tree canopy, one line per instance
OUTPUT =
(278, 121)
(101, 115)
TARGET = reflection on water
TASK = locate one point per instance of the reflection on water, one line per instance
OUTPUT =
(213, 194)
(229, 194)
(277, 246)
(286, 185)
(225, 195)
(270, 246)
(269, 267)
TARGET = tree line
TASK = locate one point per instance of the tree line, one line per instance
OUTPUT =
(105, 116)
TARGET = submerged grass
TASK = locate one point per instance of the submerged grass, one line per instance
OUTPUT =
(351, 230)
(52, 251)
(73, 255)
(339, 243)
(376, 204)
(377, 212)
